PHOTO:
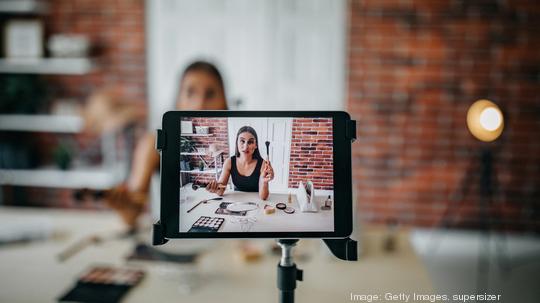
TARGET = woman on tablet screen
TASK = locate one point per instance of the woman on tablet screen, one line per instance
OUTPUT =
(248, 170)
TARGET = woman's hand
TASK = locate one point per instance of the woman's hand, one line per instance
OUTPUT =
(215, 187)
(129, 204)
(268, 172)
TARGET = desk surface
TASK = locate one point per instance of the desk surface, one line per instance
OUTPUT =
(31, 272)
(254, 220)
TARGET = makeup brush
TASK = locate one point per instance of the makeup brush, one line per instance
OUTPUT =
(204, 202)
(267, 143)
(197, 186)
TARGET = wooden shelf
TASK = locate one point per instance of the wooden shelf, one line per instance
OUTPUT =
(196, 135)
(214, 154)
(92, 178)
(52, 66)
(41, 123)
(23, 7)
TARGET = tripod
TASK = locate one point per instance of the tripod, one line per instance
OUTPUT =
(288, 273)
(488, 190)
(344, 249)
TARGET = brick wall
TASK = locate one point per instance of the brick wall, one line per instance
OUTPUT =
(311, 153)
(414, 68)
(117, 32)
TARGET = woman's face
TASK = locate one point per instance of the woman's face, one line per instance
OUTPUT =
(246, 144)
(201, 91)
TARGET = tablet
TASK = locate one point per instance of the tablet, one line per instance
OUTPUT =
(256, 174)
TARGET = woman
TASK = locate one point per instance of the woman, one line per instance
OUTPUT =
(247, 168)
(201, 88)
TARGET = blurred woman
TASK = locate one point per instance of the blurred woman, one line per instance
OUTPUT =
(201, 88)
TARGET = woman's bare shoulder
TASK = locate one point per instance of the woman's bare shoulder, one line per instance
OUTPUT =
(227, 164)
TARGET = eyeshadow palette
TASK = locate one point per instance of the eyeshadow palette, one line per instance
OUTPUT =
(103, 284)
(207, 224)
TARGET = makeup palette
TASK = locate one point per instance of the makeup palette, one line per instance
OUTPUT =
(103, 284)
(206, 224)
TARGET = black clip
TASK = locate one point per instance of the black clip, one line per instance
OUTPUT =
(158, 234)
(160, 139)
(344, 249)
(350, 132)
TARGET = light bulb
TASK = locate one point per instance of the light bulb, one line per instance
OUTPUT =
(490, 119)
(485, 120)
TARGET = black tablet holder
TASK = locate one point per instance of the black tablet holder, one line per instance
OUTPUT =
(344, 249)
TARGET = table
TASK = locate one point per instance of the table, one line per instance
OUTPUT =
(323, 220)
(32, 273)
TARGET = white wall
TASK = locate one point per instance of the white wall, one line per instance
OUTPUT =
(274, 55)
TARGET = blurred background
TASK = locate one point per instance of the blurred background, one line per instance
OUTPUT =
(438, 211)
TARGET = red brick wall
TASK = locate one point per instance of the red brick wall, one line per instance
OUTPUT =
(312, 153)
(414, 68)
(117, 32)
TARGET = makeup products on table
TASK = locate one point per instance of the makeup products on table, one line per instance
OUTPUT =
(222, 210)
(327, 204)
(242, 206)
(200, 185)
(145, 252)
(289, 210)
(203, 202)
(206, 224)
(103, 284)
(282, 206)
(269, 209)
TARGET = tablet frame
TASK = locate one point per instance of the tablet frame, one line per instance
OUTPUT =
(170, 173)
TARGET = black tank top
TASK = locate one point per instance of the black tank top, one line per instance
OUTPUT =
(246, 183)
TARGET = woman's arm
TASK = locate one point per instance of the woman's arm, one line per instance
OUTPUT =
(267, 175)
(145, 161)
(214, 186)
(129, 198)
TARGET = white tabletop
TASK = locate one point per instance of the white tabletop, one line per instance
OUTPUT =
(32, 273)
(255, 220)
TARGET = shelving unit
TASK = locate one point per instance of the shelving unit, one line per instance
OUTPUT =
(51, 66)
(196, 135)
(89, 177)
(107, 175)
(23, 7)
(41, 123)
(206, 171)
(217, 161)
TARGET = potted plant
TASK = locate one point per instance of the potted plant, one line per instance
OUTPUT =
(186, 145)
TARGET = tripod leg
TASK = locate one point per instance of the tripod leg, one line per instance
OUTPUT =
(501, 243)
(483, 264)
(455, 203)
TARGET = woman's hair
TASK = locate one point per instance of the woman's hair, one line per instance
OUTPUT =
(251, 130)
(201, 66)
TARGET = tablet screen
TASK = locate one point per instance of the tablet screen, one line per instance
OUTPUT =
(242, 174)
